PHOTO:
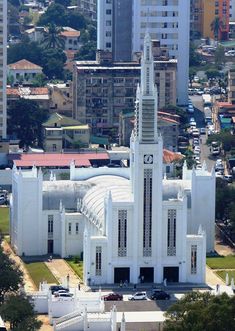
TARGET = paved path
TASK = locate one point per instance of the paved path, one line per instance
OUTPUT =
(212, 278)
(60, 269)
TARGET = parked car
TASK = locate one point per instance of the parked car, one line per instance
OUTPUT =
(228, 178)
(215, 151)
(113, 297)
(160, 295)
(195, 132)
(56, 288)
(138, 296)
(203, 131)
(63, 295)
(190, 108)
(219, 167)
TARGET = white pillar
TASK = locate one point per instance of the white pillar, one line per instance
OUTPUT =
(227, 279)
(123, 323)
(114, 318)
(85, 324)
(232, 283)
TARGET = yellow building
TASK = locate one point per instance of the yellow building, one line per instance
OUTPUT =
(62, 132)
(210, 10)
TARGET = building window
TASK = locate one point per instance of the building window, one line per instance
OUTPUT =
(171, 233)
(147, 223)
(122, 232)
(77, 228)
(193, 259)
(70, 228)
(50, 224)
(147, 80)
(98, 261)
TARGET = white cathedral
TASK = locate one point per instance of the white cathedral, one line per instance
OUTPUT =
(127, 222)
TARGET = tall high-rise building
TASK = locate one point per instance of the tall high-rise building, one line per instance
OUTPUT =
(212, 9)
(3, 65)
(122, 25)
(88, 8)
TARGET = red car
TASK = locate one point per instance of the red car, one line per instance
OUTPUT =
(113, 297)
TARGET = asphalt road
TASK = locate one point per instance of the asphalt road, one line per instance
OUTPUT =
(199, 117)
(126, 306)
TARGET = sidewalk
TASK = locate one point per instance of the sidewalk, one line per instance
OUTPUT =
(60, 269)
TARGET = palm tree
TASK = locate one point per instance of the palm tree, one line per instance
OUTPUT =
(216, 26)
(52, 37)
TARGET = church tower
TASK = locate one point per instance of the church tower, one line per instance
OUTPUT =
(146, 172)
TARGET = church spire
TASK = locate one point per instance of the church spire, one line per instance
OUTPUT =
(146, 96)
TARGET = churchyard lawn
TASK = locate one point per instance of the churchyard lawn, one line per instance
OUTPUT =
(223, 273)
(77, 266)
(221, 262)
(39, 272)
(4, 220)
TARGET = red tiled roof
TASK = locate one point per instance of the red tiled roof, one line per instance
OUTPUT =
(169, 157)
(68, 34)
(55, 160)
(24, 65)
(12, 91)
(33, 91)
(167, 119)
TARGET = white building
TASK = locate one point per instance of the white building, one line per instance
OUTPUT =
(3, 66)
(23, 71)
(128, 222)
(122, 25)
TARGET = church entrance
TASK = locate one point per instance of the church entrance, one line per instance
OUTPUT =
(50, 247)
(121, 275)
(146, 275)
(171, 274)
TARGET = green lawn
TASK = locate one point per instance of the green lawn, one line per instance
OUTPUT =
(224, 262)
(4, 220)
(77, 267)
(222, 274)
(39, 272)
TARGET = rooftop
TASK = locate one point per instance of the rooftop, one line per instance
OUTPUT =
(56, 159)
(24, 65)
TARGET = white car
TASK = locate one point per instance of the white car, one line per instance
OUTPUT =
(197, 148)
(138, 296)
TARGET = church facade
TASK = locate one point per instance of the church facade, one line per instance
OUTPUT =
(130, 224)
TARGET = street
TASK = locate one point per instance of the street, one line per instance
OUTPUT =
(199, 117)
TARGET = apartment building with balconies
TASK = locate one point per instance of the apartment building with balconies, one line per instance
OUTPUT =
(102, 89)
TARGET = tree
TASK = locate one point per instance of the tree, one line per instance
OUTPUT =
(52, 37)
(30, 51)
(219, 56)
(11, 277)
(55, 14)
(212, 73)
(59, 15)
(194, 57)
(216, 26)
(64, 3)
(25, 120)
(87, 52)
(18, 311)
(201, 311)
(39, 80)
(54, 60)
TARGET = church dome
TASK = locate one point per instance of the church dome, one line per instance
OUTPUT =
(93, 202)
